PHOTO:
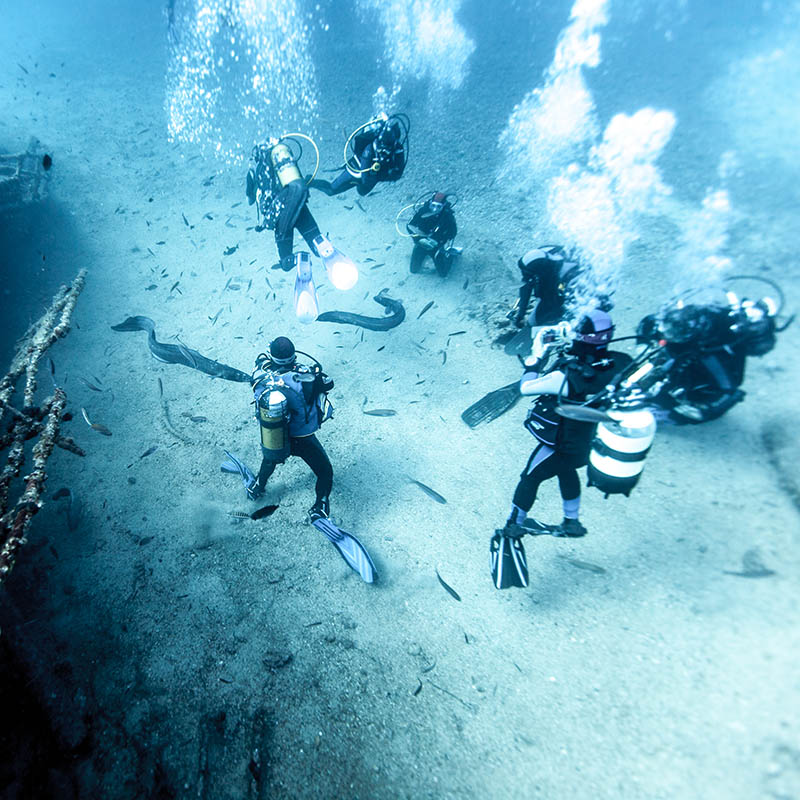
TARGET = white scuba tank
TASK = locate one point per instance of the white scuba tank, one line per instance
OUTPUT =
(618, 451)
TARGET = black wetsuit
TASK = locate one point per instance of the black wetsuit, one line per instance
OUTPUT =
(285, 208)
(305, 417)
(438, 226)
(380, 157)
(545, 275)
(585, 375)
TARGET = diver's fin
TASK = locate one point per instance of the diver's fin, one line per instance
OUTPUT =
(509, 564)
(536, 528)
(237, 467)
(492, 405)
(520, 343)
(351, 550)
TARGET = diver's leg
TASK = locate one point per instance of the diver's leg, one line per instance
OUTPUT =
(313, 453)
(267, 468)
(570, 486)
(341, 183)
(307, 227)
(442, 260)
(539, 468)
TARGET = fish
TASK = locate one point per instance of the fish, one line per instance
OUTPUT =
(95, 426)
(229, 251)
(381, 412)
(23, 68)
(175, 354)
(266, 511)
(456, 333)
(161, 242)
(394, 309)
(587, 565)
(425, 309)
(90, 385)
(446, 586)
(148, 452)
(752, 566)
(466, 283)
(186, 221)
(380, 264)
(151, 287)
(193, 417)
(428, 491)
(174, 286)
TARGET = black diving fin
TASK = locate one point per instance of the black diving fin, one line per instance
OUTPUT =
(508, 560)
(520, 342)
(492, 405)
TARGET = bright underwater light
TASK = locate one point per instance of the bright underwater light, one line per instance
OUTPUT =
(342, 271)
(305, 295)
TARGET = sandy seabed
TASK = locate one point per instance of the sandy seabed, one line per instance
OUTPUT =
(202, 657)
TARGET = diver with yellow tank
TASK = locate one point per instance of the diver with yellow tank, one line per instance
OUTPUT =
(291, 402)
(277, 187)
(375, 152)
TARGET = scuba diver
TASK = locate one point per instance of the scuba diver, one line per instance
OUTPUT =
(276, 185)
(433, 229)
(291, 404)
(562, 368)
(550, 275)
(379, 154)
(696, 353)
(275, 182)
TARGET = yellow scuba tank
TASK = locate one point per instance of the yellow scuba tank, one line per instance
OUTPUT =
(273, 417)
(619, 449)
(284, 164)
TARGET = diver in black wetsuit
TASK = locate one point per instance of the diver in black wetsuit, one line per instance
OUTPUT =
(275, 181)
(546, 275)
(564, 444)
(380, 153)
(433, 228)
(291, 405)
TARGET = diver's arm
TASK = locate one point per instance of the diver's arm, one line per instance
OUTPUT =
(525, 292)
(551, 383)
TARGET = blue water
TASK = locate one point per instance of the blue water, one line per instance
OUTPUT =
(175, 652)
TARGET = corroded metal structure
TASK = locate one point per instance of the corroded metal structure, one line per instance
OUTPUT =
(40, 422)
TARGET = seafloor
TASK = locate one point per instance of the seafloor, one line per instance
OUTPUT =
(174, 653)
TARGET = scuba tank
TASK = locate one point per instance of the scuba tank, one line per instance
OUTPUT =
(619, 449)
(273, 417)
(284, 164)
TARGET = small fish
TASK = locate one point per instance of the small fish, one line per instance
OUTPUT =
(466, 283)
(186, 221)
(63, 492)
(148, 452)
(418, 689)
(368, 259)
(446, 586)
(266, 511)
(428, 491)
(239, 516)
(382, 347)
(151, 252)
(209, 180)
(193, 417)
(587, 565)
(425, 309)
(96, 426)
(174, 287)
(145, 540)
(444, 357)
(90, 385)
(151, 287)
(216, 316)
(52, 368)
(375, 266)
(161, 242)
(229, 251)
(381, 412)
(358, 203)
(23, 68)
(456, 333)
